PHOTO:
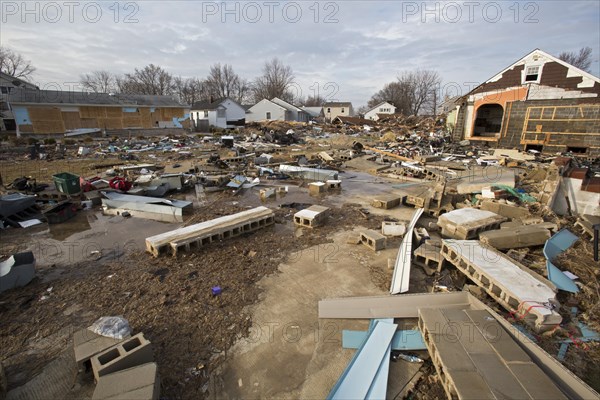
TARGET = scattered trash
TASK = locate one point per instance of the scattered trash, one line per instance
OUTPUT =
(114, 327)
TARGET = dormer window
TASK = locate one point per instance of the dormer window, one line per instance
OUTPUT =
(532, 74)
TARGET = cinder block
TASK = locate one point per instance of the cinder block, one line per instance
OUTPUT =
(86, 344)
(522, 236)
(373, 240)
(334, 184)
(267, 193)
(389, 228)
(506, 210)
(136, 383)
(429, 257)
(127, 354)
(386, 201)
(468, 223)
(316, 188)
(312, 216)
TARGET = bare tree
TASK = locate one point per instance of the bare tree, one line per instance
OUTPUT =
(191, 90)
(395, 93)
(152, 79)
(414, 92)
(313, 101)
(14, 64)
(424, 84)
(275, 81)
(581, 60)
(243, 91)
(99, 82)
(221, 80)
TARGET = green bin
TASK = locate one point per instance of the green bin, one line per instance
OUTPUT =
(67, 183)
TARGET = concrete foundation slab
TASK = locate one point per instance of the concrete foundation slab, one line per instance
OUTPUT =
(471, 366)
(525, 294)
(468, 223)
(198, 235)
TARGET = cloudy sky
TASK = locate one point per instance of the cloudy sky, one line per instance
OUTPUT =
(346, 50)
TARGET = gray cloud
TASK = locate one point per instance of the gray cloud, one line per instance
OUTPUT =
(372, 42)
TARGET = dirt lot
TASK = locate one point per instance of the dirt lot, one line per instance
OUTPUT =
(199, 338)
(169, 299)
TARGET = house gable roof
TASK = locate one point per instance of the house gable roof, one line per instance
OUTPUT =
(379, 105)
(269, 102)
(34, 96)
(555, 72)
(285, 104)
(337, 104)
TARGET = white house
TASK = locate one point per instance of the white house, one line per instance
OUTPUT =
(381, 108)
(337, 109)
(221, 113)
(276, 110)
(266, 110)
(297, 114)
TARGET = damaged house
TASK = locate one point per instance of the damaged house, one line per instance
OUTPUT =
(538, 103)
(58, 112)
(221, 113)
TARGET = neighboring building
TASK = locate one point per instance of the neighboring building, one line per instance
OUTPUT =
(314, 112)
(56, 112)
(7, 84)
(450, 108)
(276, 110)
(337, 109)
(539, 103)
(266, 110)
(381, 108)
(221, 113)
(298, 114)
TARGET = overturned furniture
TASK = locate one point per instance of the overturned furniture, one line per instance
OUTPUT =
(146, 207)
(312, 216)
(18, 270)
(204, 233)
(17, 207)
(527, 295)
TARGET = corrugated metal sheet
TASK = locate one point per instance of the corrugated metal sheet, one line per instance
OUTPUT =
(367, 370)
(553, 247)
